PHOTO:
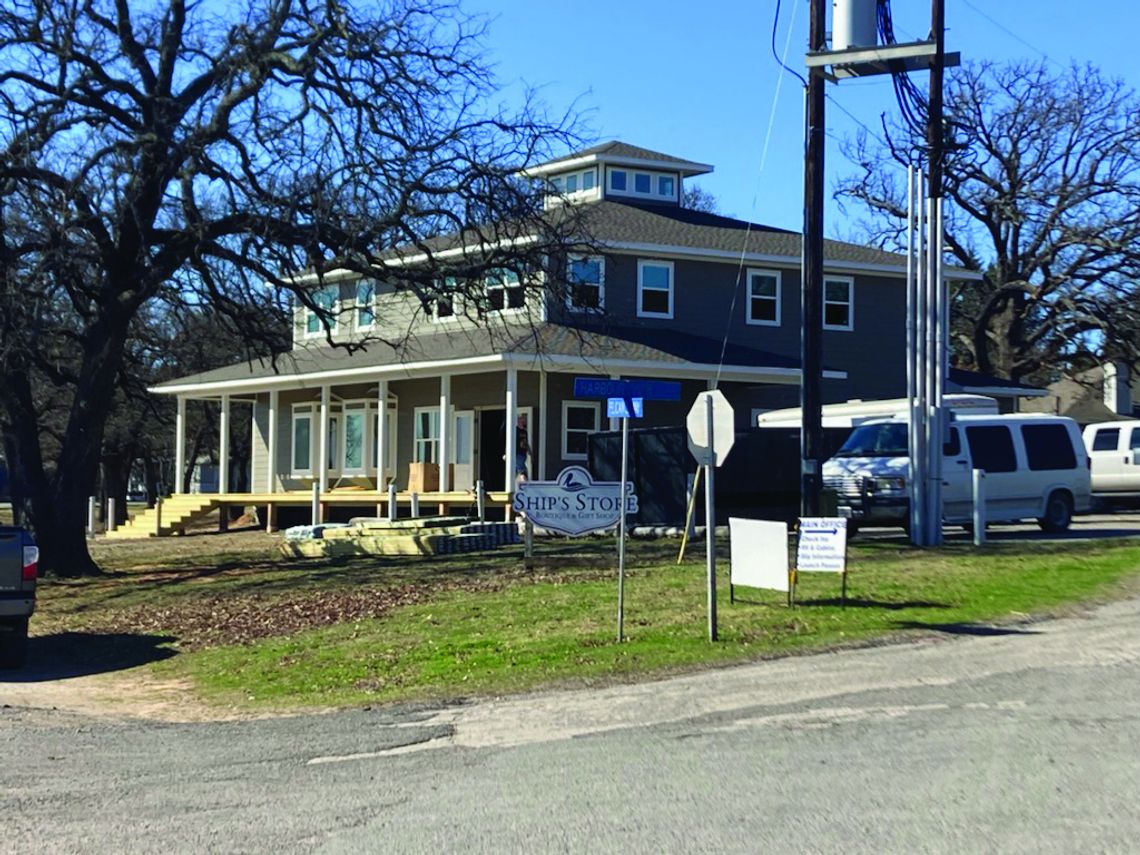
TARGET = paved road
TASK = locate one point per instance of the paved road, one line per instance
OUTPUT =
(984, 740)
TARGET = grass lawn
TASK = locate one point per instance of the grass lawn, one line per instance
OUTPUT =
(255, 630)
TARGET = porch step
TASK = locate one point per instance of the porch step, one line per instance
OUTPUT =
(177, 511)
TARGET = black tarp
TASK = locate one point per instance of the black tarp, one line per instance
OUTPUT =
(758, 479)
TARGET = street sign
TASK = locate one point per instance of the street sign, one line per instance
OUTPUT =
(625, 408)
(723, 428)
(650, 390)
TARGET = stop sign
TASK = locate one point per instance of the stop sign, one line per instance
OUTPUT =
(723, 429)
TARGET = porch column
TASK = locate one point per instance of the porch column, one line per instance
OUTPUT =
(541, 468)
(381, 433)
(512, 427)
(271, 468)
(224, 446)
(444, 432)
(179, 445)
(323, 454)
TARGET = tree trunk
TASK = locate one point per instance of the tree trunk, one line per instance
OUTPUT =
(152, 476)
(115, 476)
(58, 499)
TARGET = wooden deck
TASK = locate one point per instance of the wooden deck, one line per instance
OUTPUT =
(175, 513)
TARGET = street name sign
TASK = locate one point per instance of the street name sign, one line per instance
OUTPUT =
(625, 408)
(650, 390)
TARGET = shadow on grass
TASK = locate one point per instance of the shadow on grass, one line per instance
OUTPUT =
(79, 654)
(976, 629)
(860, 603)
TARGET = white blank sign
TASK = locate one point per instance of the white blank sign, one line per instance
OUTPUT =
(759, 553)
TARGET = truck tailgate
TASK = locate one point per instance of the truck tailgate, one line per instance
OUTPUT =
(11, 559)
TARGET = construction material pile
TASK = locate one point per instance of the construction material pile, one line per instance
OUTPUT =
(380, 536)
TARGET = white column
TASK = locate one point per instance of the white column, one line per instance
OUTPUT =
(512, 426)
(381, 433)
(542, 394)
(444, 431)
(271, 443)
(179, 445)
(323, 453)
(224, 446)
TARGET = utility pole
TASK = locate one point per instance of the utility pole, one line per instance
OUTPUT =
(811, 291)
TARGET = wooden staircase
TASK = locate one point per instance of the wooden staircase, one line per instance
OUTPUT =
(177, 511)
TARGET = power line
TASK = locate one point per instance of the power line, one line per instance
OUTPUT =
(1012, 34)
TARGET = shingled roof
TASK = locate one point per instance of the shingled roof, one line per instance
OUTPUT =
(616, 151)
(662, 347)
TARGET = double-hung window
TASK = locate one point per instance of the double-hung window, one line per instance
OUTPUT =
(504, 291)
(427, 435)
(355, 427)
(579, 420)
(301, 454)
(442, 306)
(365, 304)
(654, 289)
(586, 282)
(838, 303)
(325, 300)
(763, 306)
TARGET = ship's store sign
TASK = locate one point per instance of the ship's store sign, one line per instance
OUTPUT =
(574, 503)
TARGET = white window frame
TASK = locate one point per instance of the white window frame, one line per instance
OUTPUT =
(850, 280)
(566, 430)
(758, 322)
(368, 305)
(417, 440)
(333, 314)
(642, 263)
(433, 314)
(507, 309)
(301, 411)
(365, 410)
(601, 259)
(655, 176)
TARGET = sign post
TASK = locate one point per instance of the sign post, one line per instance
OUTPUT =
(711, 436)
(625, 400)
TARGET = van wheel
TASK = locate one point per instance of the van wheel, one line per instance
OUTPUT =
(1058, 512)
(14, 645)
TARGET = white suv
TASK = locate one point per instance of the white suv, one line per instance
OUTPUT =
(1036, 467)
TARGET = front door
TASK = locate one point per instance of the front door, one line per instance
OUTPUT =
(463, 449)
(491, 452)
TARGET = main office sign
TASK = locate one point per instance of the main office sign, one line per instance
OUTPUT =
(574, 503)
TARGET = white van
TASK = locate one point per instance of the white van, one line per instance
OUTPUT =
(1114, 449)
(1036, 467)
(852, 413)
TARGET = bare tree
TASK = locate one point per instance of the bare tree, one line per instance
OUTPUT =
(193, 152)
(1043, 197)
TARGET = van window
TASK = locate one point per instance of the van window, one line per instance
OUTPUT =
(1048, 447)
(1135, 444)
(953, 445)
(881, 440)
(991, 448)
(1106, 439)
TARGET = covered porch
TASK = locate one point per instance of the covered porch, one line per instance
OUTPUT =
(339, 433)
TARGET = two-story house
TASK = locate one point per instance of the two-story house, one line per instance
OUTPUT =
(669, 293)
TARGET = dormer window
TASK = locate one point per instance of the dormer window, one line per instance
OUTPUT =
(658, 186)
(575, 182)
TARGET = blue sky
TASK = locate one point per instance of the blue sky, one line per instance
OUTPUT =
(699, 80)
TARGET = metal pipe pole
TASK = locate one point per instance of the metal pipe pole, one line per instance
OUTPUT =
(911, 370)
(918, 426)
(621, 528)
(811, 291)
(710, 520)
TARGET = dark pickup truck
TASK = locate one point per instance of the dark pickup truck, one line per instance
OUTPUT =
(18, 559)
